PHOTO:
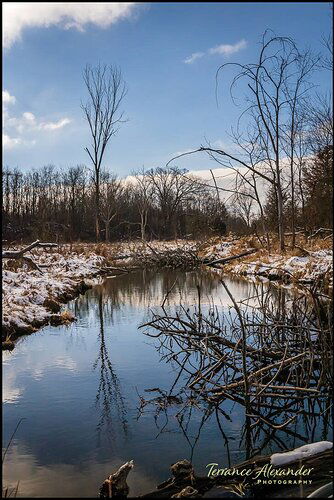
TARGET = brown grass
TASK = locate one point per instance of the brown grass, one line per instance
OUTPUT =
(66, 316)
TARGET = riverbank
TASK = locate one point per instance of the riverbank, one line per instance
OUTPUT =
(310, 262)
(32, 298)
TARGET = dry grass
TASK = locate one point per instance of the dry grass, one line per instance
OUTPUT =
(67, 316)
(107, 250)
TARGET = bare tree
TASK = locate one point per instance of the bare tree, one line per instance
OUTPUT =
(106, 91)
(172, 190)
(275, 81)
(244, 206)
(143, 197)
(110, 200)
(294, 93)
(327, 42)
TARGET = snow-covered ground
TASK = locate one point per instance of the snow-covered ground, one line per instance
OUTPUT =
(315, 266)
(312, 265)
(30, 297)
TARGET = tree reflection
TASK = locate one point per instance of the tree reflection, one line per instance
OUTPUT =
(109, 396)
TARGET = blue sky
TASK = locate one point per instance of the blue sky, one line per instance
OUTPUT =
(170, 104)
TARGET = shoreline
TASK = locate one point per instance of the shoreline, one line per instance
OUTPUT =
(33, 299)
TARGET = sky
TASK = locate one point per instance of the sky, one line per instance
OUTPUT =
(168, 54)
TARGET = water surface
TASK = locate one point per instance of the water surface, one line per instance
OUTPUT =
(78, 387)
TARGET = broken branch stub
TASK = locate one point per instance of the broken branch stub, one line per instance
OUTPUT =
(115, 486)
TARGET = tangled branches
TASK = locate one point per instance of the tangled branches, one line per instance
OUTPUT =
(270, 353)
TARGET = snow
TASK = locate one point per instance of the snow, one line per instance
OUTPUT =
(307, 450)
(25, 291)
(316, 265)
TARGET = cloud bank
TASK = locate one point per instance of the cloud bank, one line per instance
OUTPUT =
(224, 49)
(19, 16)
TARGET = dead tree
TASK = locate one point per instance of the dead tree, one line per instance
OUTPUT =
(106, 90)
(276, 82)
(19, 254)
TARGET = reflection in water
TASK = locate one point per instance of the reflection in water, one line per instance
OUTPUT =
(270, 355)
(109, 395)
(53, 377)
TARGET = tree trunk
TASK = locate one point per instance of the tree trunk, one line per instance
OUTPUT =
(143, 219)
(107, 231)
(280, 214)
(97, 207)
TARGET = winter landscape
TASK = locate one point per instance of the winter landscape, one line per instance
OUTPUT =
(167, 261)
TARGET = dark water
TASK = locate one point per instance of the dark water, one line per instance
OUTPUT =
(78, 387)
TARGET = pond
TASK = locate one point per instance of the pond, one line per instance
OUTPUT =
(78, 390)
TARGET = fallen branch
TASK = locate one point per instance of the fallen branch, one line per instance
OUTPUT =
(257, 373)
(228, 259)
(19, 254)
(319, 231)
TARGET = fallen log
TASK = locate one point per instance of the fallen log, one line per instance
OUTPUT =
(212, 263)
(19, 254)
(107, 269)
(319, 231)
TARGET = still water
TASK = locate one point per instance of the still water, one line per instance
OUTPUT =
(77, 388)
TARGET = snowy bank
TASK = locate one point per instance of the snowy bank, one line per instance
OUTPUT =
(32, 298)
(309, 267)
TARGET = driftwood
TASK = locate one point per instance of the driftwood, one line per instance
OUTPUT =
(115, 486)
(108, 269)
(320, 231)
(213, 263)
(19, 254)
(185, 483)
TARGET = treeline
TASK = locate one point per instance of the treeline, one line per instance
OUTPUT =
(165, 203)
(313, 204)
(283, 147)
(56, 204)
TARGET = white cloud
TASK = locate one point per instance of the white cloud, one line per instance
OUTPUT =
(224, 49)
(7, 98)
(54, 125)
(193, 57)
(19, 16)
(12, 142)
(27, 123)
(227, 49)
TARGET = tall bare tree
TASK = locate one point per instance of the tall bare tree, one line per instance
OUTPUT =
(172, 189)
(275, 83)
(106, 91)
